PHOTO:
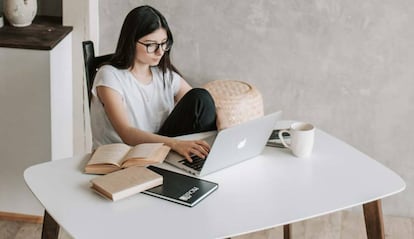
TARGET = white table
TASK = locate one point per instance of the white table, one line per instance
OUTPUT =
(270, 190)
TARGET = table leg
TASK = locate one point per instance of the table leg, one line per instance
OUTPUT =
(50, 228)
(286, 231)
(374, 222)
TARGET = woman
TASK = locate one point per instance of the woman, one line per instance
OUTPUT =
(139, 97)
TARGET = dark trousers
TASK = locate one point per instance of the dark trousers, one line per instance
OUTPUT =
(194, 113)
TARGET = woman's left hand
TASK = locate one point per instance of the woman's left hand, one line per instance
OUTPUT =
(188, 148)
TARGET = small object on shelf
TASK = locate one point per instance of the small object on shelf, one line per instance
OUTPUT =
(20, 13)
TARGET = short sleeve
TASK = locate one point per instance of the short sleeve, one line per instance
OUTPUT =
(176, 83)
(107, 76)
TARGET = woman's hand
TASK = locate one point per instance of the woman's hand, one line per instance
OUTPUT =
(188, 148)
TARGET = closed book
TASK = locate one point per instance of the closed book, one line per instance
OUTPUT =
(274, 140)
(126, 182)
(181, 189)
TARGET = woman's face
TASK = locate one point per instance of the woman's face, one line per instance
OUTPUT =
(144, 49)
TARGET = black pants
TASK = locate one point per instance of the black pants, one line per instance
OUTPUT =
(194, 113)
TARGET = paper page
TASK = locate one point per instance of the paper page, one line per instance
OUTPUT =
(143, 150)
(110, 153)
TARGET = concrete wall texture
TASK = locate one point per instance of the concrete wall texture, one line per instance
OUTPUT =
(346, 66)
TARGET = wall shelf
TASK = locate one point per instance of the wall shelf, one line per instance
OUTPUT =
(43, 34)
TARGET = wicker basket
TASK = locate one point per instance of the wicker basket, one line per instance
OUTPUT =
(236, 102)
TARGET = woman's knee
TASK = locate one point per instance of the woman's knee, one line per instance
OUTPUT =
(200, 95)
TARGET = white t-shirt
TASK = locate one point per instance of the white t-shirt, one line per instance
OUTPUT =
(147, 105)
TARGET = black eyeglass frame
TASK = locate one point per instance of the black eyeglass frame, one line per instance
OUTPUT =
(165, 46)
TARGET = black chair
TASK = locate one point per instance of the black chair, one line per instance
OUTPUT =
(92, 64)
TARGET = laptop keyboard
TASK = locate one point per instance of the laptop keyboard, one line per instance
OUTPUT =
(197, 163)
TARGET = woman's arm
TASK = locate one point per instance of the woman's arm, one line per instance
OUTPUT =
(117, 115)
(184, 88)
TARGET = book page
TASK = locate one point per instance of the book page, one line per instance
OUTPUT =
(146, 154)
(144, 150)
(109, 154)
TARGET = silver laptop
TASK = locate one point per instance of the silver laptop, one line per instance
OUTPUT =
(229, 146)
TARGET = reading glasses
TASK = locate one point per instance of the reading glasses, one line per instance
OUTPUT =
(153, 47)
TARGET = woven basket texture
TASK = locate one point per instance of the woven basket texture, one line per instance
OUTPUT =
(236, 102)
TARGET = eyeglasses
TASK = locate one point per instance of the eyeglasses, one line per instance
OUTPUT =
(153, 47)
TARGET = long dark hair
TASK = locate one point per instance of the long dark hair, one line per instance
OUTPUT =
(140, 22)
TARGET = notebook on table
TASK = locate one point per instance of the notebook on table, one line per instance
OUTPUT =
(229, 146)
(180, 188)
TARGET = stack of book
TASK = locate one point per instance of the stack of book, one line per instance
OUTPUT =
(128, 171)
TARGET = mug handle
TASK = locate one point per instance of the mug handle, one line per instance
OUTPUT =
(281, 137)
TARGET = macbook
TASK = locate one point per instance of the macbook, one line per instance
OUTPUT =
(229, 146)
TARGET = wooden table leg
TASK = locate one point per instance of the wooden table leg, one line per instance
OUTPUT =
(374, 222)
(286, 231)
(50, 229)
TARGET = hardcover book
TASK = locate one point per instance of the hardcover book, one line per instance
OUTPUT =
(126, 182)
(180, 188)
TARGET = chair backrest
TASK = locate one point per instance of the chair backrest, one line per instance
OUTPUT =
(92, 64)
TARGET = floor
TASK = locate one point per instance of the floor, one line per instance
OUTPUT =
(340, 225)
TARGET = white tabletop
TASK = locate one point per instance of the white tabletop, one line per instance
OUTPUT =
(270, 190)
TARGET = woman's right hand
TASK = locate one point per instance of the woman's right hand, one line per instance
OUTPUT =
(188, 148)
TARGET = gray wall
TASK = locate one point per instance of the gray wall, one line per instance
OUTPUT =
(346, 66)
(49, 8)
(44, 7)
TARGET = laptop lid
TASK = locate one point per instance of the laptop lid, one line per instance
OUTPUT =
(233, 145)
(239, 143)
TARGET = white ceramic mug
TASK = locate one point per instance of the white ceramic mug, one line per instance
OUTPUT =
(301, 139)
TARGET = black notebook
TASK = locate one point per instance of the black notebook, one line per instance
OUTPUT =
(274, 140)
(181, 188)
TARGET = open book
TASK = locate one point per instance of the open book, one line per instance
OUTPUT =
(112, 157)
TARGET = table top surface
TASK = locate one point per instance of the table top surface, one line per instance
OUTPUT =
(272, 189)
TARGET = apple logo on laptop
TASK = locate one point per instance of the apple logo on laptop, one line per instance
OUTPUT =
(242, 143)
